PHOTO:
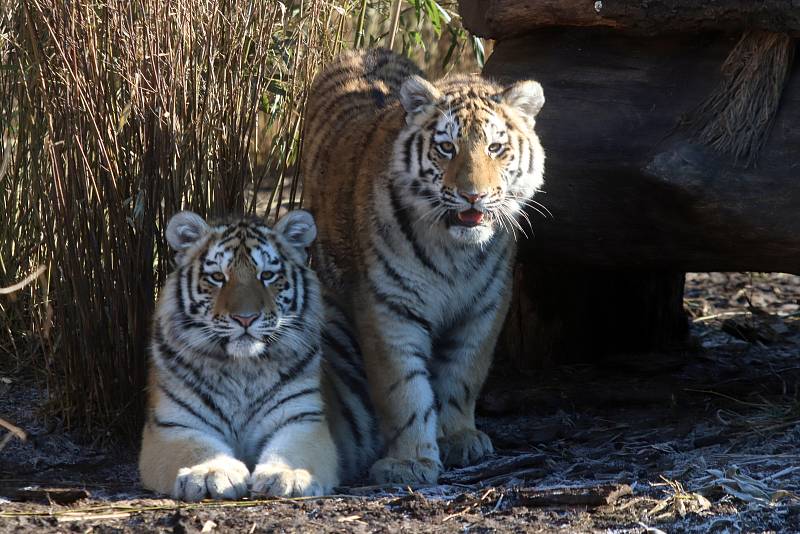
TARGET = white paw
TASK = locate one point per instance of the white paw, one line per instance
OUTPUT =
(220, 478)
(280, 481)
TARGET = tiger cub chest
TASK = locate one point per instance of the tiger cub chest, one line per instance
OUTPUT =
(465, 280)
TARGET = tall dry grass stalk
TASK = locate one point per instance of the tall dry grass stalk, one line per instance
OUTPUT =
(114, 114)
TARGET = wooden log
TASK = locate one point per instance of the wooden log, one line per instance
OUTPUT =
(500, 19)
(591, 496)
(636, 201)
(627, 190)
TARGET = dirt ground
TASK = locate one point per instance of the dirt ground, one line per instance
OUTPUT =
(706, 440)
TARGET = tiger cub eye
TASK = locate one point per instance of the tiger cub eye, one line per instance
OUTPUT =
(267, 276)
(447, 146)
(218, 277)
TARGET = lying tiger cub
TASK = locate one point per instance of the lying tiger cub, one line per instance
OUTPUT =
(417, 188)
(234, 395)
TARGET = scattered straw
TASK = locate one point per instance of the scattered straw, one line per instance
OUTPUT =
(679, 501)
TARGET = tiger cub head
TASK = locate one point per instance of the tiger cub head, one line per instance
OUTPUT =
(468, 153)
(240, 288)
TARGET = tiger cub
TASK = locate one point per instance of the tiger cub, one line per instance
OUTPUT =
(234, 391)
(417, 189)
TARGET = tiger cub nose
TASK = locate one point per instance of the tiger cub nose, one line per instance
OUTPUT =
(472, 198)
(245, 319)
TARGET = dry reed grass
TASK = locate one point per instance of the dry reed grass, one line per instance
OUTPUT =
(114, 114)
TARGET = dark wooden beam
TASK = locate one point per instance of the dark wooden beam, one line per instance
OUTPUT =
(500, 19)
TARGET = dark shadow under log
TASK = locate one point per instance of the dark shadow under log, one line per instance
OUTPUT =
(564, 315)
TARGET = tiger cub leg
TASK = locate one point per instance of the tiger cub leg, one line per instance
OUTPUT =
(396, 363)
(458, 371)
(299, 460)
(189, 465)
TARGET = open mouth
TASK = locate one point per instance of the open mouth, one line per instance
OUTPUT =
(469, 218)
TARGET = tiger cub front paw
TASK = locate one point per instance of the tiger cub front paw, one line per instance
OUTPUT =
(220, 478)
(281, 481)
(464, 448)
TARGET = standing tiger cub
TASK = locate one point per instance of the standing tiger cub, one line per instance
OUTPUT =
(234, 390)
(417, 188)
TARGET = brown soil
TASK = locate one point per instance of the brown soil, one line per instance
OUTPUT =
(699, 441)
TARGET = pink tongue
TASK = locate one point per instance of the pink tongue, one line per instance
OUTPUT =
(470, 216)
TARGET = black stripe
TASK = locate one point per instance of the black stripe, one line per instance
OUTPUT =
(296, 288)
(181, 368)
(185, 276)
(228, 232)
(408, 378)
(467, 392)
(347, 413)
(303, 417)
(393, 274)
(344, 330)
(284, 400)
(400, 430)
(429, 412)
(531, 158)
(170, 424)
(492, 306)
(454, 403)
(225, 240)
(283, 378)
(407, 151)
(191, 410)
(401, 309)
(300, 292)
(298, 368)
(499, 263)
(357, 383)
(405, 226)
(420, 142)
(339, 349)
(262, 232)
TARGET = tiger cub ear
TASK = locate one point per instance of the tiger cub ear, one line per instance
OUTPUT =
(184, 229)
(416, 94)
(298, 228)
(526, 96)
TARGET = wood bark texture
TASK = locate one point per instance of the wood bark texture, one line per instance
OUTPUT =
(500, 19)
